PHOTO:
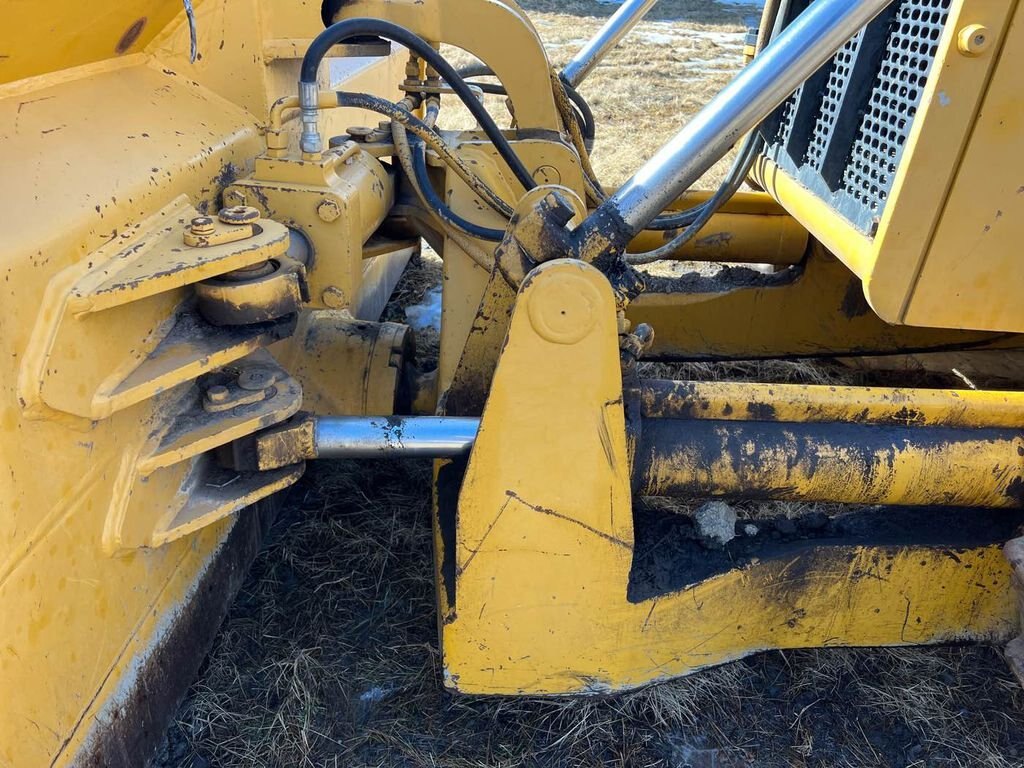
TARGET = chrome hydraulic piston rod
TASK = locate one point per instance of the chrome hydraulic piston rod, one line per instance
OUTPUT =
(793, 56)
(617, 27)
(369, 437)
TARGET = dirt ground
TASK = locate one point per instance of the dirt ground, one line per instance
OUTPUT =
(329, 656)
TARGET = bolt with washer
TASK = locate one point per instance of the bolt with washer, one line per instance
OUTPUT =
(218, 393)
(973, 40)
(252, 379)
(238, 214)
(201, 225)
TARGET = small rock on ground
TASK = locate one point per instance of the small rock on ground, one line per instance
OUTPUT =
(716, 523)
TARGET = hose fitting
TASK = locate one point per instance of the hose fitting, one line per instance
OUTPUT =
(309, 96)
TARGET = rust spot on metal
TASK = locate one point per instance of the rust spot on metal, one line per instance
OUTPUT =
(130, 36)
(716, 240)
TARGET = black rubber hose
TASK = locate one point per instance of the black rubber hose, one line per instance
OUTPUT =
(702, 213)
(343, 30)
(587, 124)
(437, 205)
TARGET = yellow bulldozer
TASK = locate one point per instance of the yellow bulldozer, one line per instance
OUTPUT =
(209, 202)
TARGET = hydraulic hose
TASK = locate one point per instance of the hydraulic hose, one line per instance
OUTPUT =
(404, 153)
(585, 114)
(703, 213)
(343, 30)
(424, 131)
(438, 206)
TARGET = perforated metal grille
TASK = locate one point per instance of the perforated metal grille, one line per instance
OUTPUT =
(843, 133)
(831, 101)
(786, 114)
(894, 100)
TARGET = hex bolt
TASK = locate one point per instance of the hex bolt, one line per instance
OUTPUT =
(333, 297)
(202, 225)
(218, 393)
(328, 210)
(973, 40)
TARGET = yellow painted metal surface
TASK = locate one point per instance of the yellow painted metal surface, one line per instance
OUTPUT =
(841, 462)
(465, 281)
(817, 403)
(749, 229)
(542, 560)
(835, 233)
(346, 366)
(337, 203)
(944, 251)
(971, 275)
(112, 507)
(76, 33)
(815, 309)
(102, 537)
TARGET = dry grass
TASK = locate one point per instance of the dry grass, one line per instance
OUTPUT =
(645, 90)
(329, 656)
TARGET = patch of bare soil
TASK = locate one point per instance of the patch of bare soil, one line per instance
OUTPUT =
(329, 655)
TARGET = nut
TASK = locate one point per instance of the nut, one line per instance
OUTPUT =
(328, 210)
(253, 379)
(201, 225)
(973, 40)
(218, 393)
(238, 214)
(333, 297)
(359, 132)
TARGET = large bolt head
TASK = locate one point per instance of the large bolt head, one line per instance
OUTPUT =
(564, 308)
(333, 297)
(201, 225)
(238, 214)
(218, 393)
(328, 210)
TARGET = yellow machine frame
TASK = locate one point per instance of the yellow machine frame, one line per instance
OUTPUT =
(180, 279)
(943, 253)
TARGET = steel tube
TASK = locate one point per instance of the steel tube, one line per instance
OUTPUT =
(831, 462)
(818, 403)
(798, 51)
(617, 27)
(372, 437)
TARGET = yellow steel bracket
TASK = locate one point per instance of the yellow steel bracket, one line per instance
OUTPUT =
(336, 202)
(174, 485)
(538, 548)
(116, 328)
(498, 33)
